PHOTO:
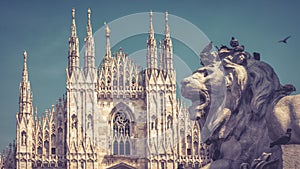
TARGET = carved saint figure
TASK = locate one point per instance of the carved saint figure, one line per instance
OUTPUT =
(24, 138)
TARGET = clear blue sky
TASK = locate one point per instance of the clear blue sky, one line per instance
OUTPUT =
(43, 27)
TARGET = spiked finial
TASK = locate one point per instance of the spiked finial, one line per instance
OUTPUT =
(167, 31)
(89, 26)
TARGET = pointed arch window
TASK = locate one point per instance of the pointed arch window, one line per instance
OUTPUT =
(121, 147)
(127, 148)
(189, 145)
(169, 122)
(116, 148)
(46, 146)
(154, 123)
(40, 150)
(53, 140)
(121, 133)
(60, 135)
(196, 145)
(90, 124)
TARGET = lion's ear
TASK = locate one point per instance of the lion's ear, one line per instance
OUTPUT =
(206, 56)
(227, 63)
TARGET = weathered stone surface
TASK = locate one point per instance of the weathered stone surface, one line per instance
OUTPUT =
(241, 107)
(290, 156)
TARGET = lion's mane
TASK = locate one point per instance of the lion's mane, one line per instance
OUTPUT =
(263, 83)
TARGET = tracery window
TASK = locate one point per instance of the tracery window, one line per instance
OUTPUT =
(90, 124)
(169, 122)
(46, 146)
(60, 135)
(53, 140)
(121, 134)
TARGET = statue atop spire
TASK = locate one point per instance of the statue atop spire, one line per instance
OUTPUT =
(107, 30)
(73, 27)
(25, 55)
(107, 34)
(25, 72)
(167, 31)
(89, 26)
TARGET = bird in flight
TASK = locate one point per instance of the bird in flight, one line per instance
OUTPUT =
(284, 40)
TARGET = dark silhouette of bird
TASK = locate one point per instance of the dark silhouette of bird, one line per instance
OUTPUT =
(256, 56)
(285, 90)
(283, 140)
(234, 42)
(288, 89)
(284, 40)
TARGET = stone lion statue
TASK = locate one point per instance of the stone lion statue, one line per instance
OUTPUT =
(241, 107)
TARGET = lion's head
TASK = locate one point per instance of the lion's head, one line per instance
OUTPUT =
(200, 86)
(234, 84)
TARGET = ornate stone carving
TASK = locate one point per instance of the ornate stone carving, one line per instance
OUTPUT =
(241, 107)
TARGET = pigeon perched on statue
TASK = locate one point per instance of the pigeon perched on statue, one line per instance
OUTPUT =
(282, 140)
(234, 42)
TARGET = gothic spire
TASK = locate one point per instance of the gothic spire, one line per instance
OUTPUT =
(25, 98)
(168, 49)
(151, 46)
(89, 54)
(73, 54)
(107, 34)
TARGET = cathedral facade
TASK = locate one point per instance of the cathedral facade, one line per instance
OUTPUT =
(115, 115)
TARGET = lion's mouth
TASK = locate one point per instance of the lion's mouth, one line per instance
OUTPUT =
(200, 98)
(198, 107)
(204, 99)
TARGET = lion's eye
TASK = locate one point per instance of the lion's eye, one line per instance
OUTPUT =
(202, 71)
(205, 73)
